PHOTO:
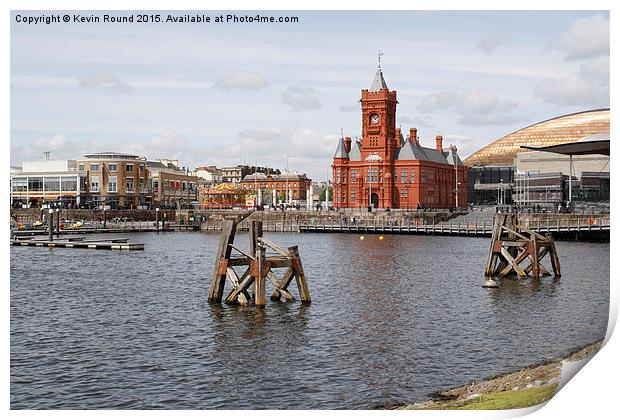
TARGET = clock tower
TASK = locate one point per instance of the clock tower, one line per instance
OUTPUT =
(379, 119)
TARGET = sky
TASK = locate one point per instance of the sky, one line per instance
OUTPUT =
(229, 93)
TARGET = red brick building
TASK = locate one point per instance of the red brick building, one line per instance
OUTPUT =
(389, 171)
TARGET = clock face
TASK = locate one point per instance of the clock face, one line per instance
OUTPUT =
(374, 119)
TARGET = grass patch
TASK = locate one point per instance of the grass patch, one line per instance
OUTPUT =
(506, 400)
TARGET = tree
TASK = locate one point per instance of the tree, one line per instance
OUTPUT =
(322, 194)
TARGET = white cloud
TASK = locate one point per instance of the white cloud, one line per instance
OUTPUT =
(492, 42)
(596, 70)
(263, 135)
(58, 144)
(574, 90)
(301, 99)
(242, 80)
(587, 37)
(107, 81)
(474, 108)
(350, 107)
(168, 144)
(423, 121)
(489, 119)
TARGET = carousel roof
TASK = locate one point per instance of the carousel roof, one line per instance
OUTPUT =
(224, 188)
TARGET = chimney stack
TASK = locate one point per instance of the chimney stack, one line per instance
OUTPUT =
(413, 135)
(347, 144)
(438, 143)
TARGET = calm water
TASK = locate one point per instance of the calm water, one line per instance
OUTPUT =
(391, 321)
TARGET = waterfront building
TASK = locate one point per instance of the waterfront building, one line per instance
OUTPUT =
(210, 175)
(234, 174)
(563, 129)
(116, 180)
(500, 172)
(172, 186)
(290, 188)
(58, 183)
(383, 169)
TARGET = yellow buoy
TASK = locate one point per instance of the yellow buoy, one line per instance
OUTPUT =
(362, 238)
(380, 238)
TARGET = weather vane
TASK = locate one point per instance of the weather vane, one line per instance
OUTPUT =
(379, 64)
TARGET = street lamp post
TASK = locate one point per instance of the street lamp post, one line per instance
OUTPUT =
(456, 182)
(501, 191)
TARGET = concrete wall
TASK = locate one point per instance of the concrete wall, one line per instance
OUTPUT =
(50, 166)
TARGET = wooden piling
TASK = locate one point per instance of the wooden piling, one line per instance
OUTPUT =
(259, 269)
(513, 243)
(300, 276)
(50, 225)
(221, 261)
(259, 281)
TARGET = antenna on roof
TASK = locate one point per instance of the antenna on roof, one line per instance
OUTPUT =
(47, 155)
(379, 60)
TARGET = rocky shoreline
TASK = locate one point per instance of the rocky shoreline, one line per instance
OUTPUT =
(527, 387)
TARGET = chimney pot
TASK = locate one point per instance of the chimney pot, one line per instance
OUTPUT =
(438, 143)
(413, 135)
(347, 144)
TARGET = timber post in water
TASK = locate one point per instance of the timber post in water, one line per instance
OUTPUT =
(50, 224)
(258, 268)
(513, 243)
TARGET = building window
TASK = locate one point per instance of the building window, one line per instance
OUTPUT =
(353, 196)
(129, 187)
(354, 174)
(373, 174)
(403, 176)
(94, 183)
(20, 184)
(112, 184)
(81, 167)
(129, 167)
(412, 175)
(35, 183)
(112, 167)
(94, 167)
(403, 193)
(68, 183)
(52, 183)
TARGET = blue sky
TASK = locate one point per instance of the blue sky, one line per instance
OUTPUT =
(229, 93)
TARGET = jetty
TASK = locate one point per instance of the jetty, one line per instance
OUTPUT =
(106, 243)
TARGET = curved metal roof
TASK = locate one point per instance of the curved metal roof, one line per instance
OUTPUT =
(564, 129)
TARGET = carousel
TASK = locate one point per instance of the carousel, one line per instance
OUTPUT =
(222, 196)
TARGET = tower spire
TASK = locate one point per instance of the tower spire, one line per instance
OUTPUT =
(379, 60)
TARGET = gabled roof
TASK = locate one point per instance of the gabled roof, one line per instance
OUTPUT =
(412, 151)
(378, 82)
(356, 153)
(433, 155)
(341, 151)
